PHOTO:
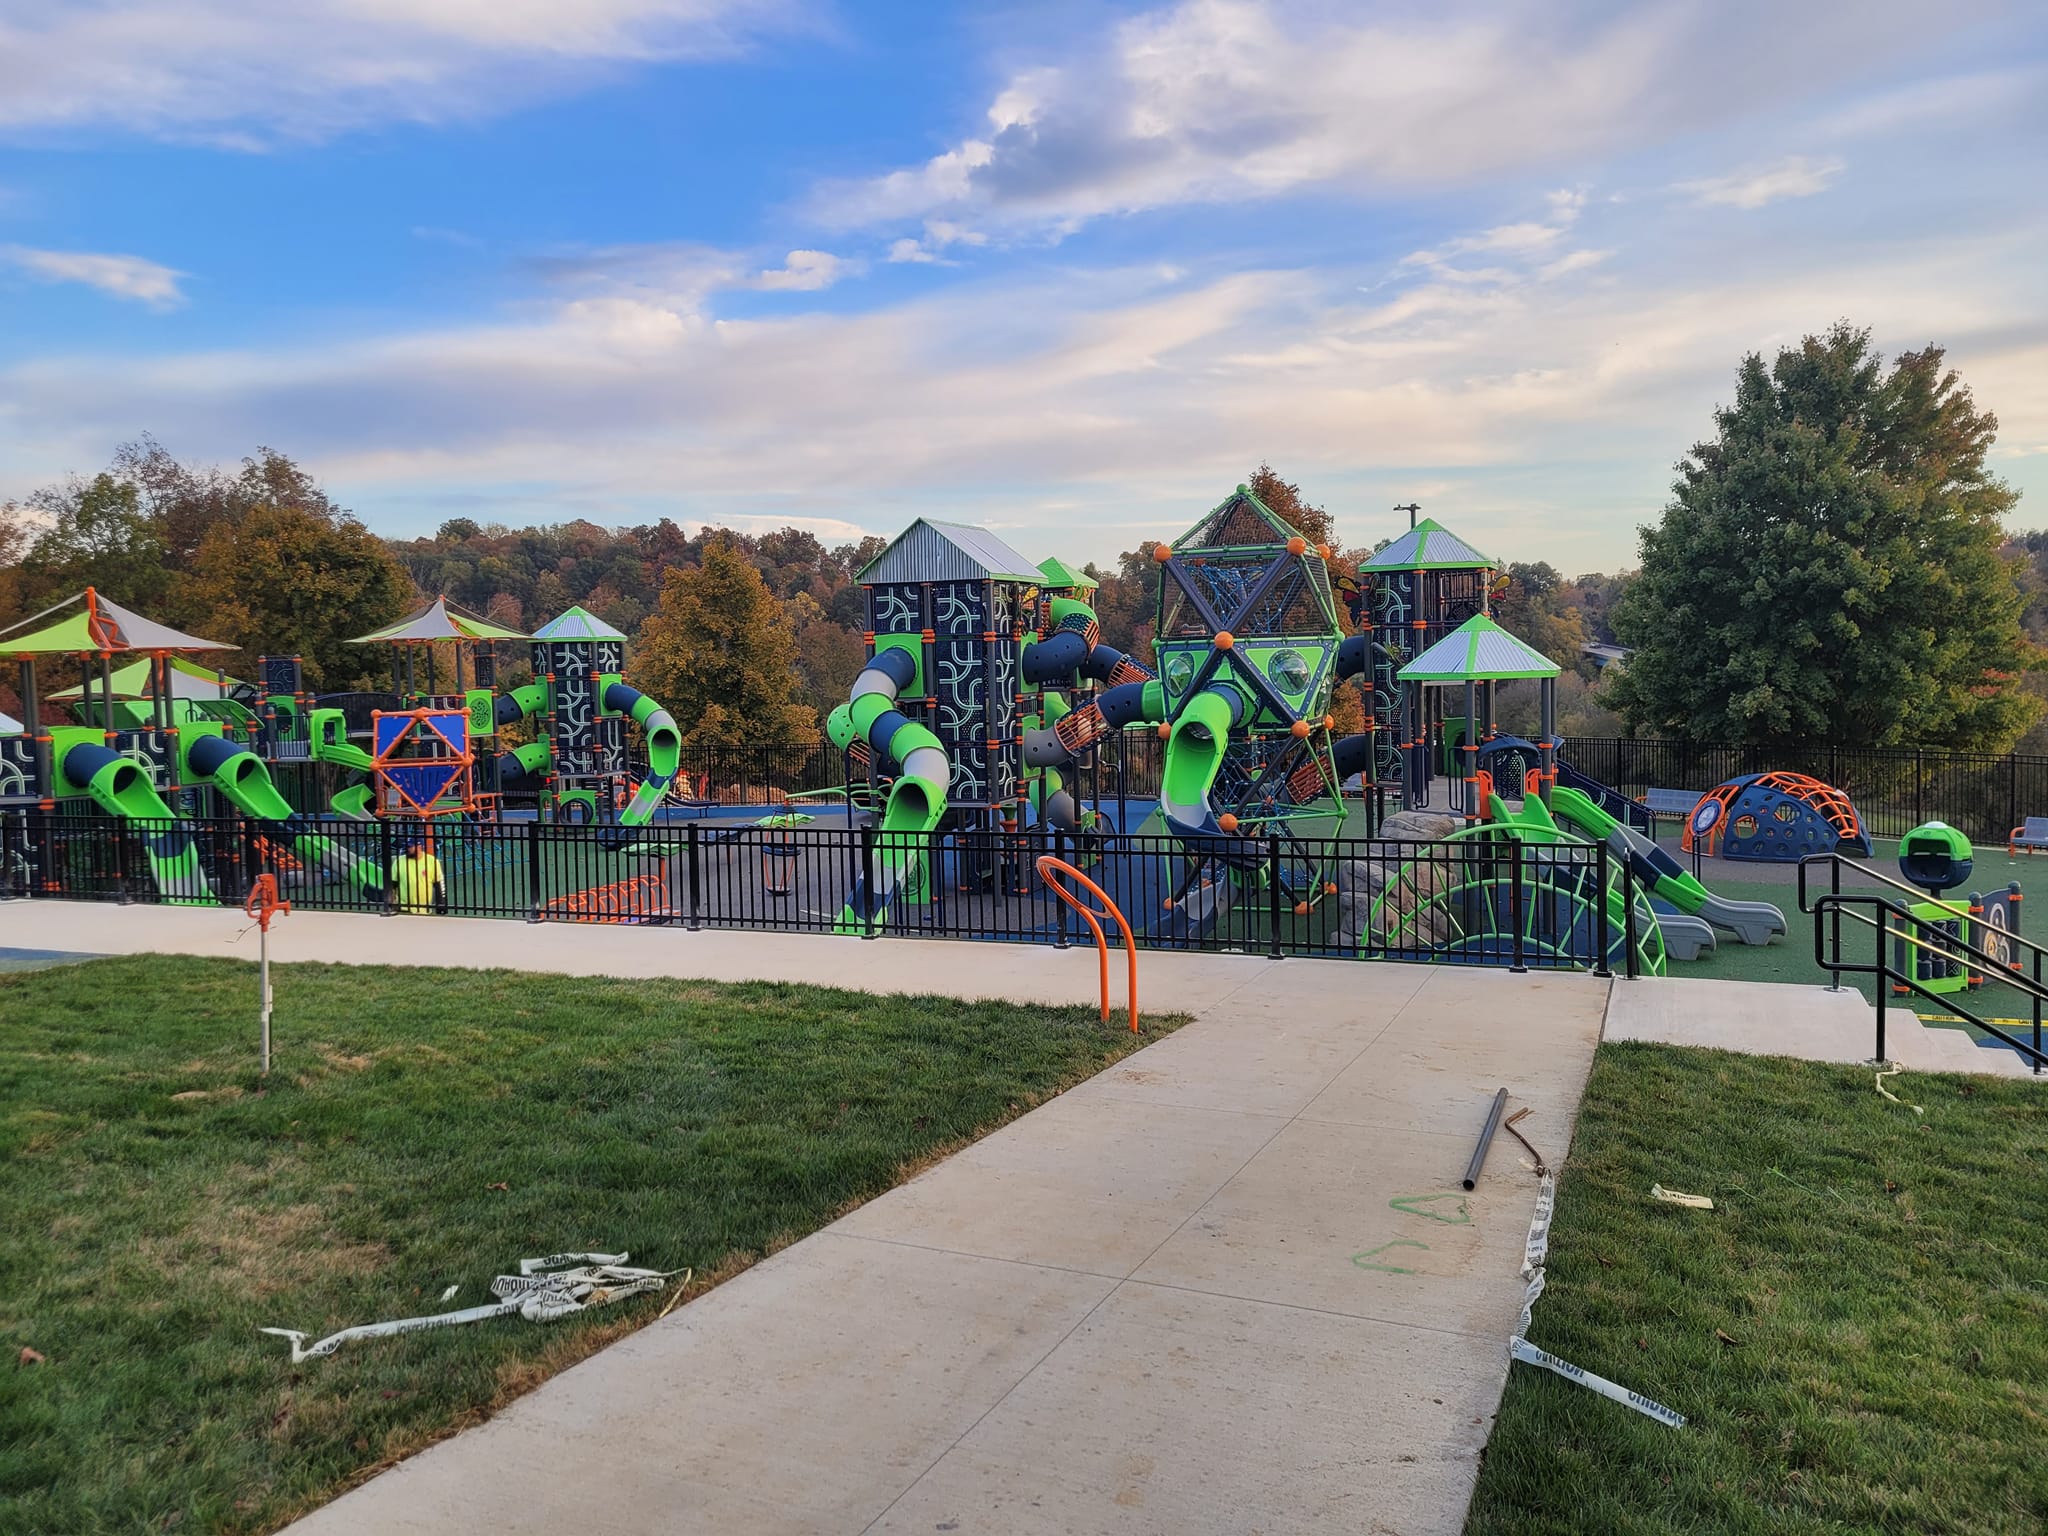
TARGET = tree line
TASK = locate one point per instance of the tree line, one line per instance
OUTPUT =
(1832, 566)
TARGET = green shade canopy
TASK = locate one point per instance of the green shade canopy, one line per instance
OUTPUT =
(103, 627)
(1429, 546)
(577, 624)
(189, 680)
(1060, 574)
(1478, 651)
(439, 620)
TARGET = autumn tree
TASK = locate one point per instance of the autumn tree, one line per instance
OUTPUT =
(97, 534)
(287, 581)
(719, 653)
(1284, 497)
(1830, 566)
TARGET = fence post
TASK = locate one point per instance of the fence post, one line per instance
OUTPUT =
(1883, 981)
(1919, 785)
(1630, 966)
(1515, 905)
(696, 874)
(122, 894)
(384, 855)
(1273, 903)
(868, 925)
(1059, 908)
(1601, 966)
(2012, 790)
(533, 880)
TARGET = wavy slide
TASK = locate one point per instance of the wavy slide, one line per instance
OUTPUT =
(241, 776)
(917, 800)
(120, 788)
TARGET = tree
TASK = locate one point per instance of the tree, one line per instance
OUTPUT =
(98, 535)
(286, 581)
(1537, 607)
(829, 656)
(1283, 497)
(719, 653)
(1830, 565)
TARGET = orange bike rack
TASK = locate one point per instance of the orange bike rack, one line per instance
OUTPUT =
(1048, 866)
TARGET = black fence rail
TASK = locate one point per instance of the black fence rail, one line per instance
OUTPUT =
(1481, 903)
(1985, 794)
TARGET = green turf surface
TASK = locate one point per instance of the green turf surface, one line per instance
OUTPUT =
(1858, 1332)
(421, 1128)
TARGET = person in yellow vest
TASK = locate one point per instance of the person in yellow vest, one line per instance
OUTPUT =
(420, 887)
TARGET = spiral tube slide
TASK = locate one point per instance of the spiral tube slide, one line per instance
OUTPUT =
(1070, 653)
(664, 760)
(120, 788)
(917, 800)
(242, 778)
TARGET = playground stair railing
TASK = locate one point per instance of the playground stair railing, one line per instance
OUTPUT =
(1889, 921)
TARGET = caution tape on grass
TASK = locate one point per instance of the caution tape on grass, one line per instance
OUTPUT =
(1535, 1253)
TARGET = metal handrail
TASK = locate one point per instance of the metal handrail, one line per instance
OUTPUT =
(1838, 862)
(1883, 909)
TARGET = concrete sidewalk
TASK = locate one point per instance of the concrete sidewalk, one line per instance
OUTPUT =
(1179, 1298)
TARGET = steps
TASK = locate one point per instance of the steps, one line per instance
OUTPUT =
(1808, 1023)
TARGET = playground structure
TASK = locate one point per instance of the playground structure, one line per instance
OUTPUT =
(1776, 818)
(983, 731)
(1938, 858)
(169, 749)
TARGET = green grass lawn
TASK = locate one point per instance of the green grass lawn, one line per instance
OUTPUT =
(420, 1128)
(1858, 1331)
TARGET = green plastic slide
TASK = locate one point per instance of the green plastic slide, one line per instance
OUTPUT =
(1752, 922)
(245, 781)
(120, 788)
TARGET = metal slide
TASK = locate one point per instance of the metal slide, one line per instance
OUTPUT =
(241, 776)
(1752, 922)
(122, 789)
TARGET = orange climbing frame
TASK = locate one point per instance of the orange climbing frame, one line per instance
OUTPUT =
(1050, 867)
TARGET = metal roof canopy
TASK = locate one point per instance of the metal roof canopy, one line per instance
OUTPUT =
(1429, 546)
(1478, 651)
(439, 620)
(577, 623)
(935, 551)
(103, 628)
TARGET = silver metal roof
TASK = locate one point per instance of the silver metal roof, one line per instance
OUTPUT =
(934, 551)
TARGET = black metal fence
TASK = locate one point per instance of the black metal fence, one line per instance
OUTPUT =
(1475, 902)
(1985, 794)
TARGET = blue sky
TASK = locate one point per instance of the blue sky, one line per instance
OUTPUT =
(1066, 268)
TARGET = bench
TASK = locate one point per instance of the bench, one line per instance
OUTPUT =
(2030, 837)
(1669, 802)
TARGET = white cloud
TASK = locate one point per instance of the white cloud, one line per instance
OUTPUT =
(1226, 100)
(938, 234)
(1794, 176)
(805, 272)
(908, 249)
(239, 73)
(124, 277)
(1122, 394)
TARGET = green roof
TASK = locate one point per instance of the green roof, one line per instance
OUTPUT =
(189, 680)
(439, 620)
(103, 626)
(1060, 574)
(1428, 546)
(1478, 651)
(577, 623)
